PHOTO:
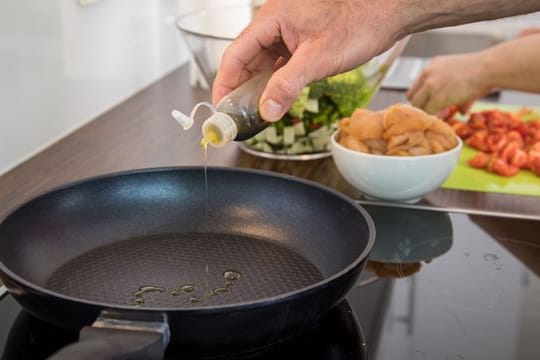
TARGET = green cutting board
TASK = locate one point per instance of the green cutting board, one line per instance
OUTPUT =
(465, 177)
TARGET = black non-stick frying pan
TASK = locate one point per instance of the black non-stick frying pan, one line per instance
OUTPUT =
(136, 259)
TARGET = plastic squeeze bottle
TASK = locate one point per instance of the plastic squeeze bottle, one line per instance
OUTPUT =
(235, 118)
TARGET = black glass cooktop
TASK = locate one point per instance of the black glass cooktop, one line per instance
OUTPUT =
(437, 286)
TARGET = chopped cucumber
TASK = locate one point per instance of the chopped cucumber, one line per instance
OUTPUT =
(288, 135)
(296, 148)
(267, 148)
(319, 143)
(258, 146)
(271, 135)
(321, 132)
(308, 148)
(299, 128)
(261, 136)
(278, 140)
(312, 105)
(251, 141)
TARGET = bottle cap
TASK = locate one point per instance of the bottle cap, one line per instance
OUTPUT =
(223, 126)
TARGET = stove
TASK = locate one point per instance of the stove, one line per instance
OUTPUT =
(436, 286)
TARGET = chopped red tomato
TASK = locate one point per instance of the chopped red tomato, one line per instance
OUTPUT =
(506, 142)
(480, 160)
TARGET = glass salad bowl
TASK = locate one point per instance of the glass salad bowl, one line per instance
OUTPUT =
(304, 132)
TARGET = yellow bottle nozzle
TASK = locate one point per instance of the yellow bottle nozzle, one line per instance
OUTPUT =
(208, 138)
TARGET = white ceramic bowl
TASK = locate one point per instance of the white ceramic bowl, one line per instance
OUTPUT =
(394, 178)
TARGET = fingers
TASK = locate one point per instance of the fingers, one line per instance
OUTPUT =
(418, 95)
(256, 48)
(426, 95)
(287, 83)
(415, 87)
(430, 101)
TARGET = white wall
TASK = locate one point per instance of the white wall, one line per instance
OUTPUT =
(62, 64)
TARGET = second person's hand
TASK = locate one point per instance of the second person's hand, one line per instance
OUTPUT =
(450, 80)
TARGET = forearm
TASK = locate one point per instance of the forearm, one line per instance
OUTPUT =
(420, 15)
(513, 65)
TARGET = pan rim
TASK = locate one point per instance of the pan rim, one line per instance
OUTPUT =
(238, 306)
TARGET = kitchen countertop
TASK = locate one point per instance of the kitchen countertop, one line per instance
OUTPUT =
(140, 132)
(479, 299)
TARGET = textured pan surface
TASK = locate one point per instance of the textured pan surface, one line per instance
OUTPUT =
(184, 270)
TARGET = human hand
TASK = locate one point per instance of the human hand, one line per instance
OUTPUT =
(305, 41)
(450, 80)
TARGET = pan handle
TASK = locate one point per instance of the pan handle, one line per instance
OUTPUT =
(113, 337)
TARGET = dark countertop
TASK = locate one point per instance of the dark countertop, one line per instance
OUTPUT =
(141, 133)
(474, 292)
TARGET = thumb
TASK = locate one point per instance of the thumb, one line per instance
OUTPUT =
(286, 85)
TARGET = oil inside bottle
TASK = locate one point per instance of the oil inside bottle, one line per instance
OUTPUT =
(248, 122)
(237, 113)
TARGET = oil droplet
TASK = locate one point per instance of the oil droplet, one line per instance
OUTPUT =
(174, 292)
(221, 290)
(194, 299)
(232, 275)
(216, 291)
(188, 288)
(145, 289)
(138, 301)
(208, 138)
(491, 257)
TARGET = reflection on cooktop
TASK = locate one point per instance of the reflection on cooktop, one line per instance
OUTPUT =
(405, 241)
(409, 236)
(477, 299)
(338, 337)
